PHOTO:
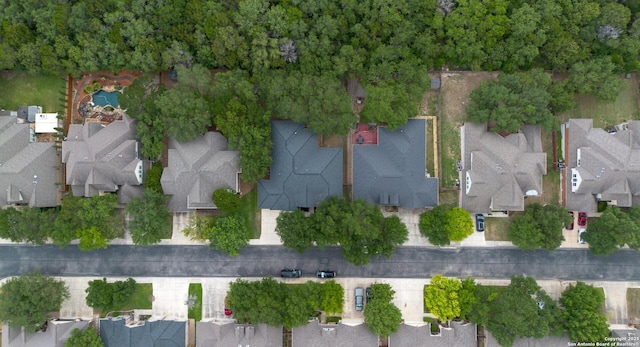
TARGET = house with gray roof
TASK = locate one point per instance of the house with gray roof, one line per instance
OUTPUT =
(499, 172)
(217, 334)
(196, 169)
(116, 332)
(27, 168)
(302, 174)
(55, 334)
(458, 334)
(393, 171)
(315, 334)
(103, 158)
(601, 165)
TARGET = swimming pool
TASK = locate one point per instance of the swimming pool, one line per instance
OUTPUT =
(102, 98)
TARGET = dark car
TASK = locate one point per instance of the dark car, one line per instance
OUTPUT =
(582, 219)
(359, 299)
(326, 274)
(570, 227)
(290, 273)
(480, 222)
(369, 294)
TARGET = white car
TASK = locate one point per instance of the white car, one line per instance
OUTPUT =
(580, 239)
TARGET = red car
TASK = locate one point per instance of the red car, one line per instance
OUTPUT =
(582, 219)
(570, 227)
(227, 312)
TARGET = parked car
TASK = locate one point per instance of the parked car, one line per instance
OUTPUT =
(227, 310)
(326, 274)
(580, 239)
(582, 219)
(359, 299)
(291, 273)
(480, 222)
(570, 227)
(369, 294)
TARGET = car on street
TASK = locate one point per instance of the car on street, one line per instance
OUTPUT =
(580, 239)
(582, 219)
(325, 274)
(291, 273)
(359, 299)
(570, 227)
(480, 222)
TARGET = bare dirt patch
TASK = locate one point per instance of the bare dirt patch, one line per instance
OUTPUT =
(456, 88)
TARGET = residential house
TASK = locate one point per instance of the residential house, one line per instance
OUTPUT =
(499, 171)
(392, 171)
(27, 168)
(54, 334)
(119, 332)
(458, 334)
(103, 158)
(601, 165)
(28, 113)
(302, 174)
(196, 169)
(215, 334)
(333, 335)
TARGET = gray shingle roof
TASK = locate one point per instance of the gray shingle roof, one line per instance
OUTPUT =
(196, 169)
(393, 172)
(302, 174)
(609, 166)
(56, 334)
(160, 333)
(500, 170)
(101, 158)
(27, 169)
(333, 335)
(211, 334)
(458, 335)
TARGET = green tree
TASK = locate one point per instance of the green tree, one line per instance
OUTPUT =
(332, 297)
(381, 316)
(432, 225)
(295, 230)
(28, 224)
(229, 235)
(27, 300)
(198, 228)
(258, 301)
(513, 100)
(84, 338)
(66, 223)
(382, 291)
(459, 224)
(539, 227)
(150, 218)
(226, 200)
(297, 307)
(614, 228)
(106, 297)
(449, 298)
(152, 177)
(583, 316)
(98, 221)
(596, 77)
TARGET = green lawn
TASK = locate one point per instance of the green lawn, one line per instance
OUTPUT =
(607, 114)
(19, 89)
(195, 312)
(138, 301)
(449, 152)
(249, 211)
(497, 228)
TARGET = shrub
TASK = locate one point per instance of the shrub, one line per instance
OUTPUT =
(152, 179)
(226, 200)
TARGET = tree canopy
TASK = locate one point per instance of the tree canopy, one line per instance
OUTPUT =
(106, 297)
(381, 316)
(359, 227)
(445, 223)
(539, 227)
(583, 316)
(150, 218)
(27, 300)
(614, 228)
(449, 298)
(84, 338)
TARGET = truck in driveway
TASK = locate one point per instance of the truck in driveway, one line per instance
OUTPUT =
(359, 299)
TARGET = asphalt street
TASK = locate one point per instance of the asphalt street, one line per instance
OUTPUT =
(260, 261)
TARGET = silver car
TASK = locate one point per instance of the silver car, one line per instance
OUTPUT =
(359, 299)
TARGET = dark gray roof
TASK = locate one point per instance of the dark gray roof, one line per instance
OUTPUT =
(56, 334)
(101, 158)
(333, 335)
(393, 172)
(547, 341)
(27, 169)
(197, 168)
(609, 166)
(497, 171)
(211, 334)
(302, 174)
(458, 335)
(161, 333)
